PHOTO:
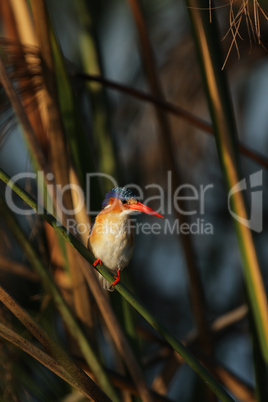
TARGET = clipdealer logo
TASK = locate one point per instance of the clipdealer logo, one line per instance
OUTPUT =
(168, 200)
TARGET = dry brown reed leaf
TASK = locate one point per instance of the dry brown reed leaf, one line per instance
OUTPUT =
(21, 74)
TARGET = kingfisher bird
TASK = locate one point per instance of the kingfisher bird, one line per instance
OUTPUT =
(111, 238)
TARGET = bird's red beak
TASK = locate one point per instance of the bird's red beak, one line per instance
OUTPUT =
(143, 208)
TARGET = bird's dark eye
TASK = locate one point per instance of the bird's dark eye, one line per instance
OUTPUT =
(124, 201)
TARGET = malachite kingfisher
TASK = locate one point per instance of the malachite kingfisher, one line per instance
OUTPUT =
(111, 238)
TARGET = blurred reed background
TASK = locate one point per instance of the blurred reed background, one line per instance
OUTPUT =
(116, 87)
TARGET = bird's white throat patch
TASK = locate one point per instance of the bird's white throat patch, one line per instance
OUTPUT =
(129, 212)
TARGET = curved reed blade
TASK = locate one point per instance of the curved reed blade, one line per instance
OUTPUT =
(79, 379)
(48, 362)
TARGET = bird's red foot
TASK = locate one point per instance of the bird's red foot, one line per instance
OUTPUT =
(117, 278)
(98, 261)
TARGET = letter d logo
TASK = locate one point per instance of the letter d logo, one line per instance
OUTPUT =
(255, 221)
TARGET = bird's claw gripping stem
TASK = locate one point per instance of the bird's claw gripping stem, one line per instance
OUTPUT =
(117, 278)
(98, 261)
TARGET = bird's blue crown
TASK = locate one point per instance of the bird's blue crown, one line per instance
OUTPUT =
(122, 193)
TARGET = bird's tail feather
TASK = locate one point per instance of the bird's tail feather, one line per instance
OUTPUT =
(105, 284)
